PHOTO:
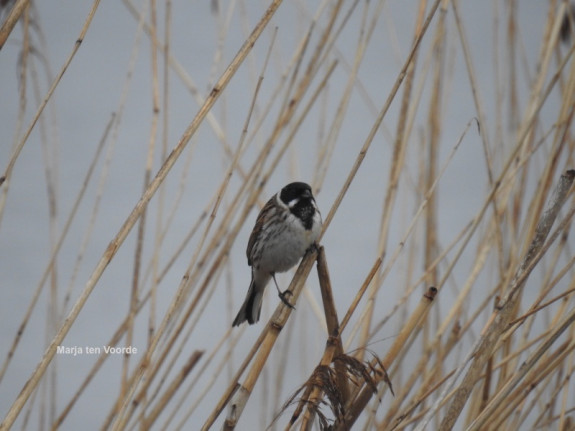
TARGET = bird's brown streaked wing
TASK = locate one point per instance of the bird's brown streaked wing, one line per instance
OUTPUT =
(260, 221)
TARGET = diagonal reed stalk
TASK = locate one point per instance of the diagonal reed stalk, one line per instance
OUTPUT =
(489, 346)
(132, 218)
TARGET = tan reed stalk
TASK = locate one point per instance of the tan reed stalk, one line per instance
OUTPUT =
(182, 423)
(215, 92)
(270, 335)
(219, 195)
(503, 315)
(333, 347)
(4, 182)
(525, 380)
(357, 405)
(223, 253)
(55, 250)
(18, 9)
(428, 176)
(397, 164)
(179, 378)
(184, 76)
(262, 155)
(533, 376)
(158, 238)
(136, 272)
(114, 340)
(524, 133)
(326, 152)
(23, 74)
(131, 220)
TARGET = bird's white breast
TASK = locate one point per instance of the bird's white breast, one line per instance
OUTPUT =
(286, 248)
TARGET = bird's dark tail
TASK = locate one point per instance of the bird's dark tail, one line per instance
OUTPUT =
(251, 307)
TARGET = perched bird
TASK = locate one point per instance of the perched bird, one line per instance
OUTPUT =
(288, 224)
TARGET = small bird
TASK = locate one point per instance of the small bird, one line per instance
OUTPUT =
(288, 224)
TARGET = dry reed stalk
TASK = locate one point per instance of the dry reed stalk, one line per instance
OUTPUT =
(428, 175)
(326, 151)
(187, 280)
(215, 267)
(429, 171)
(502, 316)
(215, 92)
(365, 393)
(158, 237)
(534, 377)
(140, 397)
(219, 195)
(14, 15)
(113, 341)
(397, 164)
(136, 272)
(135, 214)
(55, 250)
(333, 352)
(498, 234)
(179, 378)
(333, 347)
(183, 75)
(333, 326)
(380, 118)
(270, 335)
(362, 396)
(5, 178)
(224, 361)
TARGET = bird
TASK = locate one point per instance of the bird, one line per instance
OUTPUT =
(286, 227)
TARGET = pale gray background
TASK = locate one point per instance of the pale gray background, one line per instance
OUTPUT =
(90, 92)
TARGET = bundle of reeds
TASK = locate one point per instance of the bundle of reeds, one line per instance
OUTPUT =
(443, 166)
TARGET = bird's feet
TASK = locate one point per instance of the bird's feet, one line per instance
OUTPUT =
(314, 247)
(283, 295)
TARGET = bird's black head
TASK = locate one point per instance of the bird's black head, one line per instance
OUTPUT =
(299, 199)
(293, 192)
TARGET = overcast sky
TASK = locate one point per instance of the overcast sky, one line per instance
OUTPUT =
(91, 91)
